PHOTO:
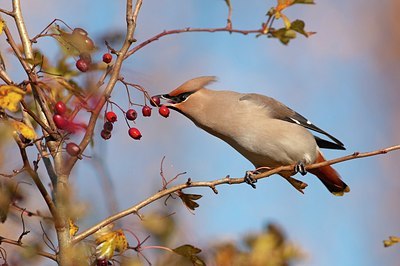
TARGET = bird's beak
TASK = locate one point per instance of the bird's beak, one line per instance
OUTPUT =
(165, 99)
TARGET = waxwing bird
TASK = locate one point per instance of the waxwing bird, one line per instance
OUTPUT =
(265, 131)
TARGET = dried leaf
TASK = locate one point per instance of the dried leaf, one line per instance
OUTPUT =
(190, 252)
(2, 25)
(286, 21)
(391, 241)
(109, 241)
(23, 129)
(189, 200)
(10, 96)
(73, 228)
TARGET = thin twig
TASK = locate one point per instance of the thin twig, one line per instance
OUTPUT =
(24, 232)
(177, 31)
(31, 213)
(15, 173)
(16, 243)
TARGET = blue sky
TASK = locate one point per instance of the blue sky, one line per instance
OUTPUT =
(331, 78)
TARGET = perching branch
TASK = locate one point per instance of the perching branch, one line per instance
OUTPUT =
(212, 184)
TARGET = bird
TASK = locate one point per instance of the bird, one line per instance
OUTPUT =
(265, 131)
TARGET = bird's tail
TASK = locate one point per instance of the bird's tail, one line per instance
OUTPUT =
(330, 178)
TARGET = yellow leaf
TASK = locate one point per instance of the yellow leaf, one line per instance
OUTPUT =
(73, 228)
(2, 24)
(109, 241)
(24, 130)
(286, 21)
(10, 96)
(282, 4)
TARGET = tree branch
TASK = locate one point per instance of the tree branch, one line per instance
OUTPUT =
(177, 31)
(131, 19)
(23, 33)
(213, 184)
(18, 243)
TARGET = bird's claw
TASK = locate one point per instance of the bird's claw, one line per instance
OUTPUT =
(300, 168)
(249, 179)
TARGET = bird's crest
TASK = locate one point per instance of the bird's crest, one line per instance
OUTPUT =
(193, 85)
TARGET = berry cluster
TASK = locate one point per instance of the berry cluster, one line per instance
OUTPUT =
(63, 123)
(131, 115)
(84, 61)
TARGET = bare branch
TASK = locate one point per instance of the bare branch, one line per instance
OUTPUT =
(35, 177)
(177, 31)
(16, 243)
(23, 33)
(213, 184)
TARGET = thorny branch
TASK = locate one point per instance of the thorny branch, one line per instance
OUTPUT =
(213, 184)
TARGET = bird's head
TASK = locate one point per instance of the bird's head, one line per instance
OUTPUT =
(179, 98)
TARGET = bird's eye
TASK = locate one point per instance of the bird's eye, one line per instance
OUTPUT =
(182, 97)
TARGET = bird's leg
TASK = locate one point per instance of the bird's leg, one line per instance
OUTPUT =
(249, 179)
(300, 168)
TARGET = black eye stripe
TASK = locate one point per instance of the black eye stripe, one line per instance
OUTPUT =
(182, 97)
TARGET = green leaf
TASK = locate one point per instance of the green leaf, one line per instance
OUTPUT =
(284, 35)
(190, 252)
(75, 43)
(308, 2)
(298, 25)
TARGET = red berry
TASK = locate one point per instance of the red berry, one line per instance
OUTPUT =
(82, 65)
(107, 58)
(131, 114)
(108, 126)
(111, 117)
(60, 121)
(102, 262)
(155, 101)
(86, 57)
(73, 149)
(134, 133)
(60, 108)
(163, 110)
(146, 110)
(105, 134)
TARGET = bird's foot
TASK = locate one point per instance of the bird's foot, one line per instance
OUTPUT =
(249, 179)
(300, 168)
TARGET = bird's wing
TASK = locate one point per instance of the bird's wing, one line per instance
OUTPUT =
(280, 111)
